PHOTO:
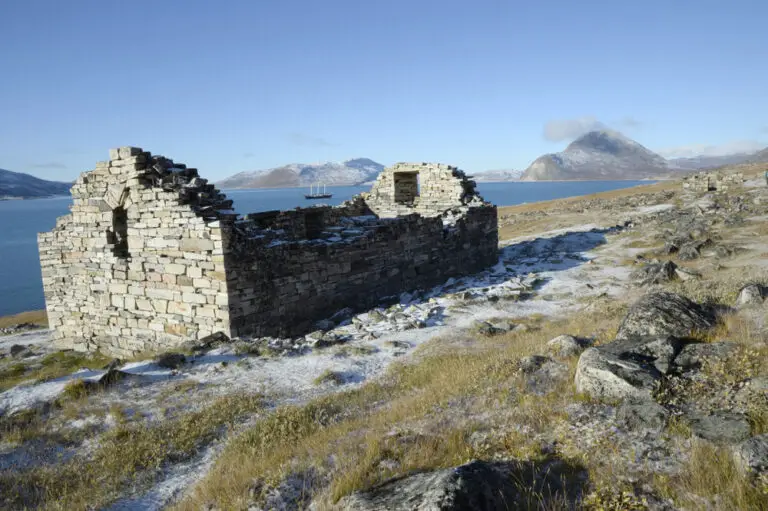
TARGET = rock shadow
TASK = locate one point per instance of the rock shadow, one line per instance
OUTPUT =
(480, 485)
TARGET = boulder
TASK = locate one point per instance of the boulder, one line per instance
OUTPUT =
(17, 350)
(605, 376)
(170, 360)
(688, 252)
(721, 426)
(665, 314)
(543, 376)
(626, 368)
(693, 354)
(751, 456)
(685, 274)
(655, 273)
(477, 485)
(329, 339)
(503, 325)
(530, 364)
(566, 346)
(751, 294)
(642, 416)
(485, 328)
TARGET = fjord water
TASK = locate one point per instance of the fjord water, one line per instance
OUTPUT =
(20, 220)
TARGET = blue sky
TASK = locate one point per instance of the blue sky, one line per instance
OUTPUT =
(229, 86)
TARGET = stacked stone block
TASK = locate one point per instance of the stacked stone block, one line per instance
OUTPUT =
(168, 287)
(151, 255)
(712, 181)
(441, 187)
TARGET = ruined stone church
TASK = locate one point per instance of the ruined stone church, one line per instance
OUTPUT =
(152, 255)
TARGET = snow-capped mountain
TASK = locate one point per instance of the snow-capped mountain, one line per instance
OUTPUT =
(599, 155)
(497, 175)
(350, 172)
(16, 184)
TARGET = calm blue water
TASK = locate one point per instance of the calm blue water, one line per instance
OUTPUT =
(20, 221)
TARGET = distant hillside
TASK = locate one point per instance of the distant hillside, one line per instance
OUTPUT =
(18, 185)
(497, 175)
(350, 172)
(599, 155)
(709, 162)
(759, 157)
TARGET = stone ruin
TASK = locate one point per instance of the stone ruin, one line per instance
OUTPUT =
(152, 256)
(712, 181)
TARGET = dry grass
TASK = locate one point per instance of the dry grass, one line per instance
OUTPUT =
(129, 454)
(53, 365)
(442, 387)
(38, 317)
(710, 480)
(611, 194)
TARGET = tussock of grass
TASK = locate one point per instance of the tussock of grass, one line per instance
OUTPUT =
(54, 365)
(712, 474)
(354, 428)
(128, 454)
(76, 389)
(329, 376)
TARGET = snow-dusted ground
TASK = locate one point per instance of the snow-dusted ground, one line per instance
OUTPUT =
(548, 274)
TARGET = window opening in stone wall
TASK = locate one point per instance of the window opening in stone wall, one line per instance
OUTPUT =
(406, 187)
(120, 232)
(313, 224)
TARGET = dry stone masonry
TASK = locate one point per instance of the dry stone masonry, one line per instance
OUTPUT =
(712, 181)
(152, 256)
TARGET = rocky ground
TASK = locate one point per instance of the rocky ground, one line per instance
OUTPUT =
(614, 358)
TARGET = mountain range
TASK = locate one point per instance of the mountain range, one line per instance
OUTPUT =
(597, 155)
(18, 185)
(607, 154)
(350, 172)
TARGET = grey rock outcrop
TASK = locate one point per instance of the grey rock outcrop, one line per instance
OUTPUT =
(640, 416)
(655, 273)
(665, 314)
(543, 374)
(720, 426)
(694, 354)
(625, 369)
(564, 346)
(751, 294)
(477, 485)
(751, 456)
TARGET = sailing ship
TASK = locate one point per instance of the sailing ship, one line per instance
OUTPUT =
(314, 193)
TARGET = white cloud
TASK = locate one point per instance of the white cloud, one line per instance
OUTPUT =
(733, 147)
(569, 129)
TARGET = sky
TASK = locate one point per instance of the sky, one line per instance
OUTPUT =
(231, 86)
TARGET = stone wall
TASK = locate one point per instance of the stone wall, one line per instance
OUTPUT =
(160, 281)
(440, 187)
(280, 287)
(712, 181)
(152, 256)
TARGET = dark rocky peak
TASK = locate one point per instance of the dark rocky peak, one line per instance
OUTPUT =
(605, 141)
